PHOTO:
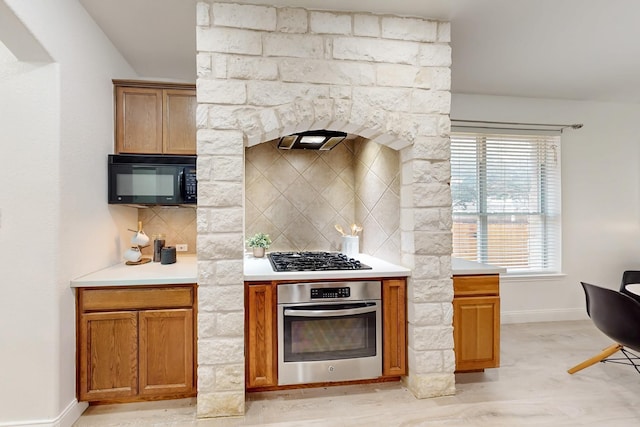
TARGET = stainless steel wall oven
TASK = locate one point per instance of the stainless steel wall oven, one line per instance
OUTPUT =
(329, 331)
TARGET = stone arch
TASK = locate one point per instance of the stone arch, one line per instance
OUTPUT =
(391, 129)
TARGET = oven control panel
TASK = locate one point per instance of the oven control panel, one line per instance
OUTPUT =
(319, 293)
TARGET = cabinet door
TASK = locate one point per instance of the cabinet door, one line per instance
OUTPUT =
(476, 332)
(394, 334)
(138, 120)
(179, 124)
(260, 335)
(108, 355)
(166, 352)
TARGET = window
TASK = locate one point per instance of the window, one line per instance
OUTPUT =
(506, 200)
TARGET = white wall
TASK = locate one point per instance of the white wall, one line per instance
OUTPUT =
(600, 199)
(55, 224)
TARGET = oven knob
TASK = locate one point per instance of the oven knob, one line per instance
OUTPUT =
(331, 369)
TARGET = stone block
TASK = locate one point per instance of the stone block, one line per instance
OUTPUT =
(388, 99)
(294, 45)
(207, 327)
(426, 314)
(229, 272)
(226, 219)
(430, 101)
(413, 29)
(326, 72)
(220, 404)
(220, 142)
(249, 67)
(203, 65)
(431, 290)
(428, 338)
(444, 32)
(366, 25)
(228, 168)
(433, 243)
(431, 194)
(398, 75)
(292, 20)
(376, 50)
(228, 40)
(440, 78)
(244, 16)
(425, 362)
(430, 148)
(434, 55)
(221, 351)
(220, 194)
(221, 298)
(431, 385)
(329, 23)
(267, 94)
(230, 324)
(229, 377)
(426, 267)
(221, 91)
(203, 18)
(221, 246)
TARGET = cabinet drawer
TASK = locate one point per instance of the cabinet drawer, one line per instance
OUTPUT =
(476, 285)
(135, 298)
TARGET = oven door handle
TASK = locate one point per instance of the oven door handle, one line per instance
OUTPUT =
(327, 313)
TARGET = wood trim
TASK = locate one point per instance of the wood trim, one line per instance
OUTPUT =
(476, 285)
(141, 297)
(261, 335)
(394, 327)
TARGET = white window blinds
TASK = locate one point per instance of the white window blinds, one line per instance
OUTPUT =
(506, 200)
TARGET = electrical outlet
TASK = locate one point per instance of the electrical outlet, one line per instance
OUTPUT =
(182, 247)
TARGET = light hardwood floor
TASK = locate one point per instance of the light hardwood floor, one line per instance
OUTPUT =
(531, 388)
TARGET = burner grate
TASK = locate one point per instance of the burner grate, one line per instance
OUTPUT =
(314, 261)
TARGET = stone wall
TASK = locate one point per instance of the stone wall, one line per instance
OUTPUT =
(264, 72)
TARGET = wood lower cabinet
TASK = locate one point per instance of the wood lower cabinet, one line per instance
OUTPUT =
(394, 327)
(136, 343)
(476, 322)
(155, 118)
(260, 335)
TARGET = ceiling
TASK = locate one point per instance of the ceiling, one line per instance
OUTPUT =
(569, 49)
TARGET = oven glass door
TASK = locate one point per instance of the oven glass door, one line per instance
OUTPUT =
(329, 331)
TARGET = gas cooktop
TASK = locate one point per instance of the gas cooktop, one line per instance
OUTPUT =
(313, 261)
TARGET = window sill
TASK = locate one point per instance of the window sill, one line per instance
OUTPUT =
(531, 277)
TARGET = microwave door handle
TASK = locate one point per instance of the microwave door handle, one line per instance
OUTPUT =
(329, 312)
(181, 183)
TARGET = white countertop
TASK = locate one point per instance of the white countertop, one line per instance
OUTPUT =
(464, 267)
(260, 269)
(184, 270)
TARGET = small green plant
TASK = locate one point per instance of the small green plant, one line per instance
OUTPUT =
(259, 240)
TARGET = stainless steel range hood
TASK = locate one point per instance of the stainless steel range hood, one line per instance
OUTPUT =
(320, 139)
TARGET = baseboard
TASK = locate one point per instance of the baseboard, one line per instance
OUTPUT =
(551, 315)
(67, 417)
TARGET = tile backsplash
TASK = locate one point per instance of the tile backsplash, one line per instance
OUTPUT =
(297, 196)
(178, 224)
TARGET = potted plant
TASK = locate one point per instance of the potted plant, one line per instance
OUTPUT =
(259, 242)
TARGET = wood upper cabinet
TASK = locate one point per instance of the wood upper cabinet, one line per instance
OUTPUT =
(260, 335)
(136, 343)
(476, 322)
(154, 118)
(394, 329)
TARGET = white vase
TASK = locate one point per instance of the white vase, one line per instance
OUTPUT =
(258, 252)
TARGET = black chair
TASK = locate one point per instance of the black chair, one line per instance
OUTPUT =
(617, 315)
(628, 277)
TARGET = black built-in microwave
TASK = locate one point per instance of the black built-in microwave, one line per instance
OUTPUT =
(141, 179)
